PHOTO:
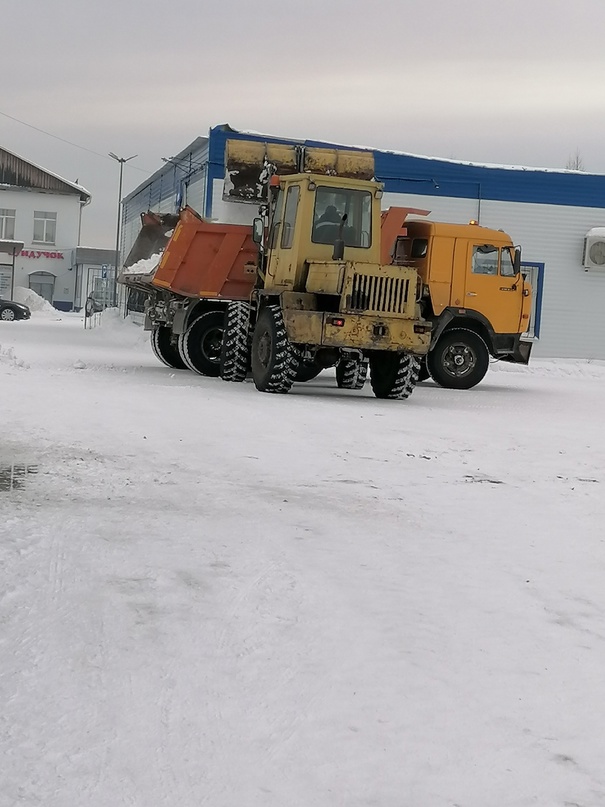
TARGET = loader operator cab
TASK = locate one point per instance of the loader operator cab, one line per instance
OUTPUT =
(346, 208)
(311, 218)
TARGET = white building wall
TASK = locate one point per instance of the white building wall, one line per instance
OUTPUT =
(53, 258)
(196, 193)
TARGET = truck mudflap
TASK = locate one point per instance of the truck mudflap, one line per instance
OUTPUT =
(520, 354)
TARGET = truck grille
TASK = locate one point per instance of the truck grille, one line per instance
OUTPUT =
(381, 294)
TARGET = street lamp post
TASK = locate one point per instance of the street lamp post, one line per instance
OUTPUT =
(121, 160)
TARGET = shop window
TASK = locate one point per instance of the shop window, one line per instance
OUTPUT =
(45, 227)
(7, 223)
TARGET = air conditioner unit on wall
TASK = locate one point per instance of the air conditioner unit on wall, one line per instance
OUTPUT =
(594, 249)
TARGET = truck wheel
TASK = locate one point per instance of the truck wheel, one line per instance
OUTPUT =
(351, 374)
(459, 360)
(393, 375)
(274, 359)
(308, 370)
(166, 352)
(200, 345)
(235, 352)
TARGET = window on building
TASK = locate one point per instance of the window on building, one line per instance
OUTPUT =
(7, 223)
(45, 227)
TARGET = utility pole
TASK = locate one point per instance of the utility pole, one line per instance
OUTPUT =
(121, 160)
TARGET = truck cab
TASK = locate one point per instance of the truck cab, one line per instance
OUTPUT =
(471, 284)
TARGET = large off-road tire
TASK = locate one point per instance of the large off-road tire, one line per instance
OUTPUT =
(308, 370)
(274, 359)
(235, 352)
(164, 349)
(351, 373)
(459, 360)
(393, 375)
(200, 345)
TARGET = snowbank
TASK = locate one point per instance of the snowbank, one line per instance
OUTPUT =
(8, 358)
(111, 327)
(35, 303)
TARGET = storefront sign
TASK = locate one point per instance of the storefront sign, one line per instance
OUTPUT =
(34, 253)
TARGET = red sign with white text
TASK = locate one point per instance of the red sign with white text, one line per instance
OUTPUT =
(36, 253)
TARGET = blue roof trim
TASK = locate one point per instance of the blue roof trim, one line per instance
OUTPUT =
(402, 173)
(406, 173)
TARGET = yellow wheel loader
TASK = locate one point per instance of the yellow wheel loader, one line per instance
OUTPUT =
(322, 296)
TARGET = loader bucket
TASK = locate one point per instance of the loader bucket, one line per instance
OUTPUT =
(155, 233)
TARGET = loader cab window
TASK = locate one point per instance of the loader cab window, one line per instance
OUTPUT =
(485, 260)
(331, 205)
(287, 232)
(275, 223)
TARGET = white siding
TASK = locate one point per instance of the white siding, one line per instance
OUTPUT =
(196, 192)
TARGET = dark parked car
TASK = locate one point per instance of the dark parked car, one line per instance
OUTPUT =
(10, 311)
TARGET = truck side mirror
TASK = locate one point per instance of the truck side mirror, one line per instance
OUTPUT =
(517, 261)
(258, 231)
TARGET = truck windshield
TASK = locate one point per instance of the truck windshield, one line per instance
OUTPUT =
(331, 204)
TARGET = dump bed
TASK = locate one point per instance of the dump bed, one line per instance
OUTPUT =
(192, 257)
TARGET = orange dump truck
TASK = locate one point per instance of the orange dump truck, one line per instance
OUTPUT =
(189, 269)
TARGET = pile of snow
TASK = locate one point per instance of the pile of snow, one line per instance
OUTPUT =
(145, 266)
(112, 327)
(7, 357)
(33, 301)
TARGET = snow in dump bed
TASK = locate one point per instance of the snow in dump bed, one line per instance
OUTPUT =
(211, 596)
(145, 266)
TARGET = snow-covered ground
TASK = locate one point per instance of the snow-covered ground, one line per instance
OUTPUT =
(215, 597)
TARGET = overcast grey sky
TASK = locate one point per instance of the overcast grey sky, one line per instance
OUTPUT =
(518, 82)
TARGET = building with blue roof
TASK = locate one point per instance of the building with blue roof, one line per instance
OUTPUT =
(557, 216)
